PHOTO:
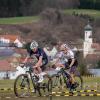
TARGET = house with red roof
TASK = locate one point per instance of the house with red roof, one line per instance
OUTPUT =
(8, 39)
(96, 48)
(6, 70)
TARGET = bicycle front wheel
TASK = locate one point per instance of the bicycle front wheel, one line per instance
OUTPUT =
(22, 86)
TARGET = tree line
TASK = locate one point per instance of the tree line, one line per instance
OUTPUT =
(90, 4)
(13, 8)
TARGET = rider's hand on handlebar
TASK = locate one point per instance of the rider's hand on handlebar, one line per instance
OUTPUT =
(68, 67)
(22, 64)
(35, 66)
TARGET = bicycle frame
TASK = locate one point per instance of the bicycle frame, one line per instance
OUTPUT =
(33, 77)
(66, 77)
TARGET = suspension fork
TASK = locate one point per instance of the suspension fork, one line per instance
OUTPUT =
(34, 86)
(22, 83)
(23, 79)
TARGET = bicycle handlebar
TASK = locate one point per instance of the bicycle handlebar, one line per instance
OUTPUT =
(22, 65)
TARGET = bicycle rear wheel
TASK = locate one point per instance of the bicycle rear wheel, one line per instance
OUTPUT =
(79, 80)
(22, 86)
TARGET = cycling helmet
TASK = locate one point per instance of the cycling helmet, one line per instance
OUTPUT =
(64, 46)
(33, 44)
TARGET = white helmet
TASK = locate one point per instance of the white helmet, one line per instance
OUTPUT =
(64, 46)
(33, 44)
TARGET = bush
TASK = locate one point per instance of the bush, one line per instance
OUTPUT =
(27, 46)
(52, 15)
(90, 4)
(98, 64)
(83, 70)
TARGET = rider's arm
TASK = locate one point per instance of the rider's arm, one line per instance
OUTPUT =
(59, 56)
(26, 59)
(72, 62)
(72, 58)
(39, 63)
(46, 51)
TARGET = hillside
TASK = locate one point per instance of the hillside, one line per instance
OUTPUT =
(29, 19)
(17, 8)
(52, 26)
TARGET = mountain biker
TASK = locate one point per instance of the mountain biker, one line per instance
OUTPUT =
(67, 59)
(41, 57)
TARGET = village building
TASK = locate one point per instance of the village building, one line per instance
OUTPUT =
(7, 40)
(91, 50)
(6, 70)
(9, 64)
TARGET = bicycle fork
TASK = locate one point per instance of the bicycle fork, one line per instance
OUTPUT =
(36, 85)
(67, 78)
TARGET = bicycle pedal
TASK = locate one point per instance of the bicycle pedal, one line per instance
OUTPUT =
(74, 86)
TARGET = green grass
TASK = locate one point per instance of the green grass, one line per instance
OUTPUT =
(9, 84)
(76, 98)
(88, 81)
(19, 20)
(93, 13)
(30, 19)
(92, 82)
(6, 83)
(54, 98)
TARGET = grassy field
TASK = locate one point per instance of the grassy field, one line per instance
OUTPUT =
(93, 13)
(54, 98)
(30, 19)
(19, 20)
(90, 81)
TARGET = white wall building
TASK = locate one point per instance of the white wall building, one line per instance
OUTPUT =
(6, 39)
(18, 43)
(3, 40)
(87, 41)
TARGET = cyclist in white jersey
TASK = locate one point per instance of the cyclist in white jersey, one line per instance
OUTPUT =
(67, 59)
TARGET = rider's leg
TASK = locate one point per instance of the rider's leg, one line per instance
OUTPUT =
(35, 71)
(72, 73)
(39, 69)
(72, 79)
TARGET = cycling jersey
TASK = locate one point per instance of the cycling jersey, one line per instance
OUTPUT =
(67, 58)
(39, 53)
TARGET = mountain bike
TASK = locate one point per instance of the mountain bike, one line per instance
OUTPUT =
(61, 80)
(24, 82)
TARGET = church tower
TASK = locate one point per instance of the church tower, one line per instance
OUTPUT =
(87, 40)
